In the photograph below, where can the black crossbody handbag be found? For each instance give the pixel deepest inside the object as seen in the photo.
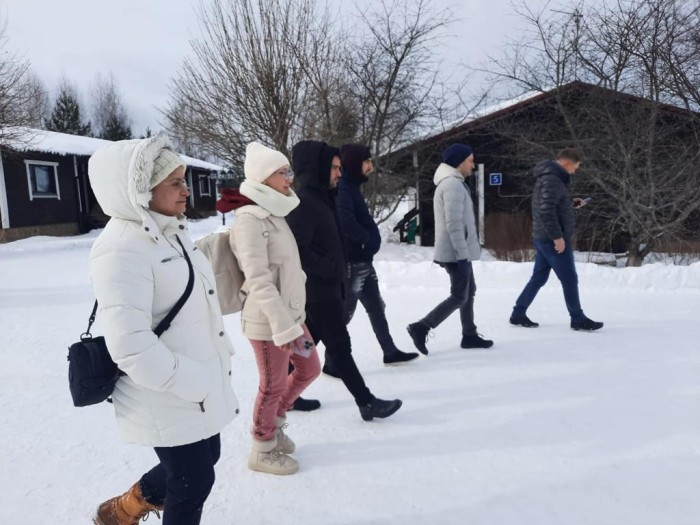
(91, 372)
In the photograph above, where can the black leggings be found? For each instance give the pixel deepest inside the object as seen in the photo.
(182, 480)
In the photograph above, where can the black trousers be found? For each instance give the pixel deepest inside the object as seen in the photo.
(326, 322)
(363, 285)
(182, 480)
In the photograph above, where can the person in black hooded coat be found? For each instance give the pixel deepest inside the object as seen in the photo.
(362, 242)
(314, 224)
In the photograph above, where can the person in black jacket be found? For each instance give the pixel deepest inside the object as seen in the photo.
(314, 224)
(362, 241)
(552, 230)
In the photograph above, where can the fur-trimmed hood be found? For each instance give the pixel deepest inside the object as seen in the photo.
(444, 171)
(120, 176)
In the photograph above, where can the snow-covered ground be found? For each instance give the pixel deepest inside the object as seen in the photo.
(550, 426)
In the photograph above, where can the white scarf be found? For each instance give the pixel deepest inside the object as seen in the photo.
(278, 204)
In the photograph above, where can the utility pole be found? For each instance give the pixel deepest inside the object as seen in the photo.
(480, 192)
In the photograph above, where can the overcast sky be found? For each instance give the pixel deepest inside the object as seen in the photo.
(143, 42)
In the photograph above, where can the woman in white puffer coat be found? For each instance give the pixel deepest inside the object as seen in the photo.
(176, 395)
(273, 312)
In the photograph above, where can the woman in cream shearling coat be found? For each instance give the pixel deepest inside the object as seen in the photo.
(274, 308)
(176, 395)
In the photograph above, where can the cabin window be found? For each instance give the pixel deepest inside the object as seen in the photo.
(42, 178)
(204, 185)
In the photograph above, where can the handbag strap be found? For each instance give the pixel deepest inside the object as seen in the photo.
(168, 319)
(165, 323)
(87, 335)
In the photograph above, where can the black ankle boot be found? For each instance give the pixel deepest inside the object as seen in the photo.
(586, 325)
(306, 405)
(379, 408)
(397, 357)
(419, 334)
(523, 320)
(475, 341)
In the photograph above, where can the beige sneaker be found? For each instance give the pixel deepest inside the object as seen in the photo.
(266, 457)
(284, 443)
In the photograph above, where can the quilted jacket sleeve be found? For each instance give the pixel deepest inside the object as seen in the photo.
(550, 193)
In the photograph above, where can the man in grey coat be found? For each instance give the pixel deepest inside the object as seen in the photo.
(456, 246)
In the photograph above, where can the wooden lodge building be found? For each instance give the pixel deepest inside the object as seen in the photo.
(511, 138)
(45, 190)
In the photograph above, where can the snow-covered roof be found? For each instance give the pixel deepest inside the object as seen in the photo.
(64, 144)
(476, 114)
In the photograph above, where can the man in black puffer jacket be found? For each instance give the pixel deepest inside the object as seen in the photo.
(362, 242)
(314, 224)
(553, 227)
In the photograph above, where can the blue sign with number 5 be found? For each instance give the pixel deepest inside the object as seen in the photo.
(495, 179)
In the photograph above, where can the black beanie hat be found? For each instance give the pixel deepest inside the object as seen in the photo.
(455, 154)
(352, 157)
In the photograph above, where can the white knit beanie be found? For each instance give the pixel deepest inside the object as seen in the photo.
(261, 162)
(164, 164)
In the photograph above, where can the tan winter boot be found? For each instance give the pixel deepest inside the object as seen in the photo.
(127, 509)
(266, 457)
(284, 443)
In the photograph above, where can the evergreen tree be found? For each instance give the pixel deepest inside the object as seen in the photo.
(65, 117)
(116, 129)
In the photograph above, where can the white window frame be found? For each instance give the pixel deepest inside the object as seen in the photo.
(201, 179)
(28, 164)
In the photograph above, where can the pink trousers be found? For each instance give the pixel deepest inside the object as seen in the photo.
(278, 389)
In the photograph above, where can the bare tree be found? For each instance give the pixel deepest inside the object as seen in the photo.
(394, 76)
(330, 110)
(110, 119)
(20, 95)
(279, 71)
(245, 81)
(40, 99)
(641, 146)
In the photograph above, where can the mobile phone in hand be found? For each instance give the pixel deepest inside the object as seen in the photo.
(580, 203)
(303, 347)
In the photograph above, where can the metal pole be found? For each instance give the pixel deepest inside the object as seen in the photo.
(417, 194)
(480, 191)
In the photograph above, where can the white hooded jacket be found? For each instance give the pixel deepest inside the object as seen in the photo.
(178, 388)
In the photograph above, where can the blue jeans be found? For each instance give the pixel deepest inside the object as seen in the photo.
(182, 480)
(547, 259)
(462, 291)
(363, 284)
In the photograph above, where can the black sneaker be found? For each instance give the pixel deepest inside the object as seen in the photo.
(475, 341)
(586, 325)
(397, 357)
(523, 320)
(379, 408)
(330, 371)
(306, 405)
(419, 333)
